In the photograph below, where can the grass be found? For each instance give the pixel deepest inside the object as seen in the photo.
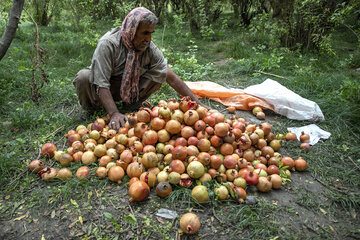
(328, 80)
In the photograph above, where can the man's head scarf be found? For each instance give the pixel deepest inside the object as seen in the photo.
(129, 91)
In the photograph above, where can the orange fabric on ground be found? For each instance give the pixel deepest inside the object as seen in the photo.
(228, 97)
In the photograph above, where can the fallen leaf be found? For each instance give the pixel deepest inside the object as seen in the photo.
(23, 216)
(72, 224)
(63, 207)
(97, 193)
(36, 220)
(19, 218)
(53, 214)
(275, 203)
(274, 238)
(323, 211)
(212, 219)
(81, 220)
(353, 214)
(7, 197)
(73, 202)
(89, 195)
(47, 213)
(42, 237)
(79, 234)
(35, 229)
(160, 220)
(331, 228)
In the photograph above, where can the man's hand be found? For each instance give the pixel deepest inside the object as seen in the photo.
(117, 120)
(180, 87)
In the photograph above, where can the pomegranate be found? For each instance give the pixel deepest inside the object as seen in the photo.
(36, 165)
(48, 149)
(115, 174)
(139, 191)
(173, 126)
(200, 194)
(190, 223)
(64, 174)
(163, 189)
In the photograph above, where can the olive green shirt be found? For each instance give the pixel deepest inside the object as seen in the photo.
(110, 57)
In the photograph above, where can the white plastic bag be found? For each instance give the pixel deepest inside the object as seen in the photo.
(285, 101)
(314, 132)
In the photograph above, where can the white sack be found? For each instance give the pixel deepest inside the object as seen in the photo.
(285, 101)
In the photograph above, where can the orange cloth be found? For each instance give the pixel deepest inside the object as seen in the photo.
(228, 97)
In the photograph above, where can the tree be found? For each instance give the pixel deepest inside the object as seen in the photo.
(11, 27)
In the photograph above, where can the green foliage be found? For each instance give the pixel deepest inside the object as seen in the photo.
(186, 64)
(201, 14)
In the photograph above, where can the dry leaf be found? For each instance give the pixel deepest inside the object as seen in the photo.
(275, 203)
(19, 218)
(53, 214)
(323, 211)
(160, 220)
(331, 228)
(42, 237)
(97, 193)
(72, 224)
(89, 195)
(81, 220)
(23, 216)
(7, 197)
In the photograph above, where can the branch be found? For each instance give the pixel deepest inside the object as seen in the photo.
(271, 74)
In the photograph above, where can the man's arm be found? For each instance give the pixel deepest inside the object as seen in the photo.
(117, 119)
(179, 86)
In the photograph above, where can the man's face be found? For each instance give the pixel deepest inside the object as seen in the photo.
(142, 37)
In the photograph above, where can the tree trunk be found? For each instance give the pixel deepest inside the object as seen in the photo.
(11, 27)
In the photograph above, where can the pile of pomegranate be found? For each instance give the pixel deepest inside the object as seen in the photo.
(176, 142)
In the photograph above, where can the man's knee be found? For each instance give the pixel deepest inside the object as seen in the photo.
(82, 77)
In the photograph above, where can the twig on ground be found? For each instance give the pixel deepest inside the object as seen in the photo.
(55, 132)
(137, 225)
(148, 236)
(271, 74)
(347, 192)
(17, 177)
(71, 112)
(357, 166)
(216, 215)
